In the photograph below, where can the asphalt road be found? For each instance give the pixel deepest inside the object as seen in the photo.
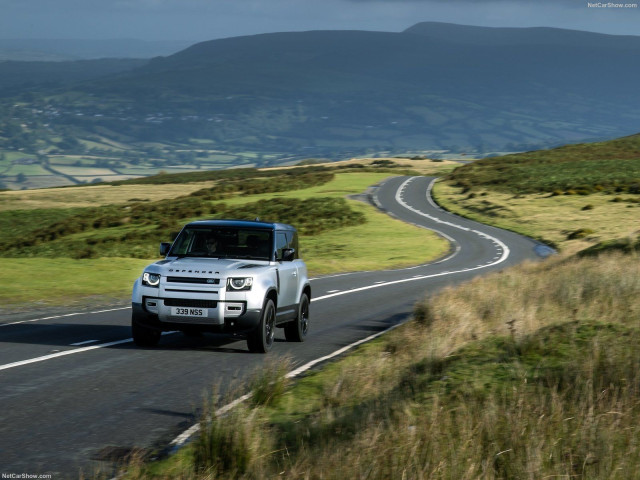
(76, 394)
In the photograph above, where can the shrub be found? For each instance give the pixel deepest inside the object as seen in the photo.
(626, 245)
(81, 253)
(580, 233)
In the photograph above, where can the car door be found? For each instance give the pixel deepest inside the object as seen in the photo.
(288, 276)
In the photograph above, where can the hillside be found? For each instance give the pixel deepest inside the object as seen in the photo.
(575, 197)
(396, 90)
(273, 98)
(611, 166)
(468, 34)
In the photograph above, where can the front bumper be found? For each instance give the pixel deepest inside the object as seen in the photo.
(216, 321)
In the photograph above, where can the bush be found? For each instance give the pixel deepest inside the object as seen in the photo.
(625, 245)
(81, 253)
(580, 233)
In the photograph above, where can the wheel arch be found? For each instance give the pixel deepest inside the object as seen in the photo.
(307, 289)
(273, 295)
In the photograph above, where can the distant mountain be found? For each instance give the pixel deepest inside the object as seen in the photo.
(434, 86)
(486, 36)
(19, 77)
(53, 50)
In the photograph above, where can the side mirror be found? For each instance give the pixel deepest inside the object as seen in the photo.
(288, 254)
(164, 248)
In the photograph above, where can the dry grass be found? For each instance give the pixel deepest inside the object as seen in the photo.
(424, 167)
(93, 196)
(551, 218)
(525, 374)
(526, 298)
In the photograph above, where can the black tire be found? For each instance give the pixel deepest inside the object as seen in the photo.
(192, 332)
(260, 340)
(144, 336)
(297, 330)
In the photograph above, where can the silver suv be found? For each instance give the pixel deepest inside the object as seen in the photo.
(228, 276)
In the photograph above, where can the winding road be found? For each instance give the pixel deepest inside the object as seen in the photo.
(77, 395)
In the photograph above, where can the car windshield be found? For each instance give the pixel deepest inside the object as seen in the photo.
(223, 242)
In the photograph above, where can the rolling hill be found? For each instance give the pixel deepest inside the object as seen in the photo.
(332, 93)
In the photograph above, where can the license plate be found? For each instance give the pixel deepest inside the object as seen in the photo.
(189, 312)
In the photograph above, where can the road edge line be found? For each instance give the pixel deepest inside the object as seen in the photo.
(182, 439)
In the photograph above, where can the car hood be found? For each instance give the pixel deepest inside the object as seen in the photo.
(204, 266)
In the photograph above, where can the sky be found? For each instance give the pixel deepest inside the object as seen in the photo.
(199, 20)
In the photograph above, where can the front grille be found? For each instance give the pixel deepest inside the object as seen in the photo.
(200, 280)
(187, 302)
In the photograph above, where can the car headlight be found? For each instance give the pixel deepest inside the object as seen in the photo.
(151, 279)
(237, 284)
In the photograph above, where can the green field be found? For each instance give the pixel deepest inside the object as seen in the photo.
(45, 282)
(95, 230)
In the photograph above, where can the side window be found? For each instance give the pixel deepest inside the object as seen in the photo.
(281, 243)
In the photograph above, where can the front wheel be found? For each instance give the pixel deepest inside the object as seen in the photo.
(144, 336)
(260, 340)
(296, 331)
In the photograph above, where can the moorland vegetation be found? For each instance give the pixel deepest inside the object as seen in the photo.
(572, 197)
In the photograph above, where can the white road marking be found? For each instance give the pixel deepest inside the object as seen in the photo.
(62, 316)
(62, 354)
(184, 437)
(333, 291)
(83, 343)
(68, 352)
(504, 256)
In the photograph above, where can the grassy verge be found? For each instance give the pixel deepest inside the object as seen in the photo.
(528, 373)
(34, 282)
(380, 243)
